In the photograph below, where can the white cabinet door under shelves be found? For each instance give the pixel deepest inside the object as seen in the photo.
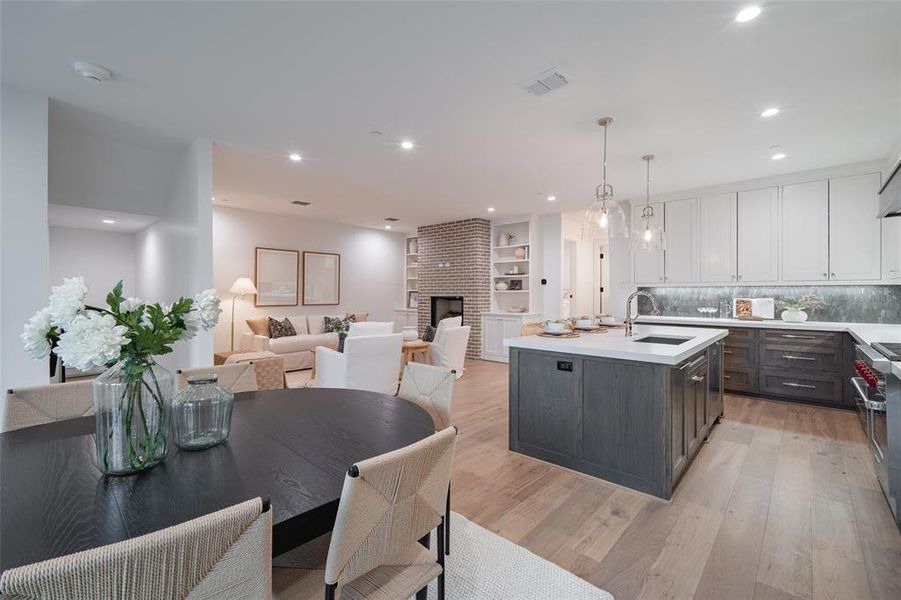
(647, 266)
(805, 231)
(758, 235)
(492, 337)
(718, 238)
(855, 243)
(511, 327)
(681, 255)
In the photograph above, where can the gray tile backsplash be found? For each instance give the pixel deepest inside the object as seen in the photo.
(844, 303)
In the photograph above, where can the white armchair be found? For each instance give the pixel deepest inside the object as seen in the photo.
(370, 328)
(449, 348)
(369, 362)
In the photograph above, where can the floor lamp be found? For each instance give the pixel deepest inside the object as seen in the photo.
(242, 287)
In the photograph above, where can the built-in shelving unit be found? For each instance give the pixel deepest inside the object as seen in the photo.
(511, 265)
(411, 272)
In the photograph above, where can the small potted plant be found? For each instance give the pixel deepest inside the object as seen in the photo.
(795, 310)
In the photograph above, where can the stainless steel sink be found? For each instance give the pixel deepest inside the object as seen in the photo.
(659, 339)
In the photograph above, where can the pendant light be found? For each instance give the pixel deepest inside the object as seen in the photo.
(648, 233)
(605, 217)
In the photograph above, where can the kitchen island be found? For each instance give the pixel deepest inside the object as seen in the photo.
(631, 410)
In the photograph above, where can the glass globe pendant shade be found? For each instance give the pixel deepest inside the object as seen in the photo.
(648, 235)
(604, 220)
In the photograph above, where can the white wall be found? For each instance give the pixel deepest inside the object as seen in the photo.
(551, 263)
(93, 170)
(101, 257)
(585, 259)
(174, 255)
(24, 262)
(372, 264)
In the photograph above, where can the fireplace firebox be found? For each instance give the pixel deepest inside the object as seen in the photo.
(444, 307)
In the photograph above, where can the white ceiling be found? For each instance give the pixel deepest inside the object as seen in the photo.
(78, 217)
(682, 80)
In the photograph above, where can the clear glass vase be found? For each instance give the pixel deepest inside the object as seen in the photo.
(131, 405)
(202, 413)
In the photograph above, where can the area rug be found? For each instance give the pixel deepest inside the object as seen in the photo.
(300, 379)
(484, 566)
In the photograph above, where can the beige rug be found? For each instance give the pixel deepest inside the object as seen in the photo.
(299, 379)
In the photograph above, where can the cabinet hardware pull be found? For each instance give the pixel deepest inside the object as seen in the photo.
(798, 337)
(727, 376)
(697, 378)
(800, 385)
(790, 357)
(727, 351)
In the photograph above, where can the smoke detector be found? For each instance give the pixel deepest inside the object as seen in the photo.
(92, 72)
(544, 82)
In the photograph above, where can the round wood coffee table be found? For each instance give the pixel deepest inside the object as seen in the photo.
(411, 349)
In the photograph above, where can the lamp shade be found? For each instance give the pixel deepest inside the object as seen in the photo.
(242, 286)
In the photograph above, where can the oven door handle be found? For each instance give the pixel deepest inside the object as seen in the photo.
(874, 405)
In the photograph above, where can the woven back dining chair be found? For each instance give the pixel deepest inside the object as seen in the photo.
(388, 504)
(223, 555)
(240, 377)
(270, 373)
(29, 406)
(531, 328)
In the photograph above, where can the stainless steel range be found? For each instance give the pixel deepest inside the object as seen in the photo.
(879, 404)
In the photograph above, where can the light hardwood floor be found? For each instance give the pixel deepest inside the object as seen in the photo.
(782, 502)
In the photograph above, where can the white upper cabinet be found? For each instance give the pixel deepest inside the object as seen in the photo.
(891, 248)
(682, 241)
(854, 231)
(718, 238)
(647, 265)
(805, 231)
(758, 235)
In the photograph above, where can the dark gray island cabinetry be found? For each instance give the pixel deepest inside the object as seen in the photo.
(638, 423)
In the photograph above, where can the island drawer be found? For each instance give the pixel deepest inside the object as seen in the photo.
(799, 337)
(801, 358)
(808, 386)
(739, 355)
(736, 379)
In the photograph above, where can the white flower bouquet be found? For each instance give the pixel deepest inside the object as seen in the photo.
(131, 398)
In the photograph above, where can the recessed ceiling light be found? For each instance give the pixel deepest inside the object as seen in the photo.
(109, 221)
(551, 198)
(747, 14)
(490, 209)
(406, 145)
(213, 198)
(770, 112)
(295, 157)
(91, 72)
(387, 226)
(777, 156)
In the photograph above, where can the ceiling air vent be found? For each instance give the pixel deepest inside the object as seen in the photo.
(301, 203)
(392, 219)
(543, 83)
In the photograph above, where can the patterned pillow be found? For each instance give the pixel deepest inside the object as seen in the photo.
(429, 334)
(337, 324)
(342, 335)
(279, 329)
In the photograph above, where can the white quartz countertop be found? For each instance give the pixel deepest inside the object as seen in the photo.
(614, 343)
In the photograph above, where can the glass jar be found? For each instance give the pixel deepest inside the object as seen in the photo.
(202, 413)
(131, 415)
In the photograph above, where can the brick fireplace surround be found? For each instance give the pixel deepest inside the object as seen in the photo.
(454, 260)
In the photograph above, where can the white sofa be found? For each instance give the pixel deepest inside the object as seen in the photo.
(369, 362)
(296, 350)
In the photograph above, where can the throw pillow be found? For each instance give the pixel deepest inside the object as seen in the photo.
(279, 329)
(429, 334)
(358, 317)
(341, 337)
(337, 324)
(259, 325)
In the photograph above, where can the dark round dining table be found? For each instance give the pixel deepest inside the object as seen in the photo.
(291, 446)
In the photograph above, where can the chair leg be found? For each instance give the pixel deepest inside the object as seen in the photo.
(426, 541)
(330, 591)
(441, 552)
(446, 524)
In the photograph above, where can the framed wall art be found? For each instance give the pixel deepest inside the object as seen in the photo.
(321, 278)
(275, 275)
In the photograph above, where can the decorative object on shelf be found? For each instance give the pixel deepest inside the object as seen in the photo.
(648, 233)
(514, 271)
(520, 253)
(507, 238)
(131, 399)
(516, 309)
(241, 287)
(605, 217)
(413, 246)
(275, 276)
(795, 311)
(516, 284)
(412, 299)
(409, 333)
(500, 286)
(321, 278)
(202, 413)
